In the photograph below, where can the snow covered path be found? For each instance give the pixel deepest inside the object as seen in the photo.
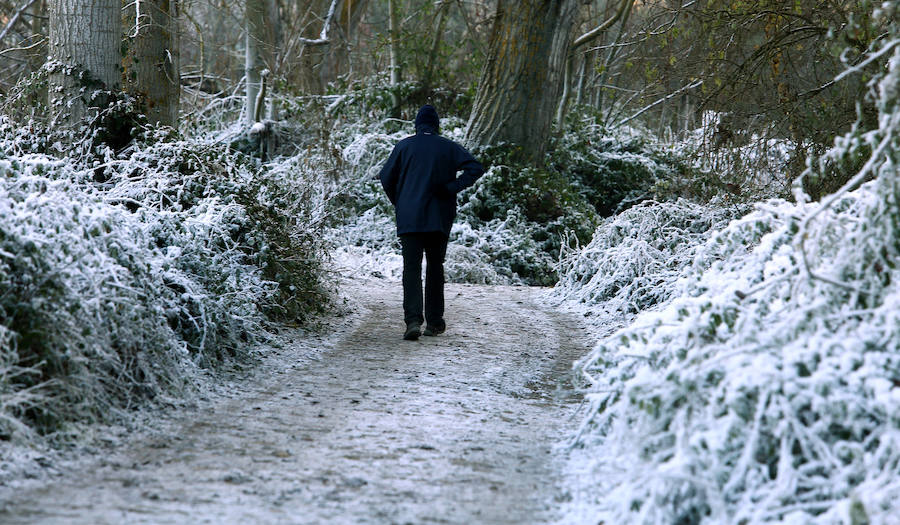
(354, 426)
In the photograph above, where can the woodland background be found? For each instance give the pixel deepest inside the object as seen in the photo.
(712, 184)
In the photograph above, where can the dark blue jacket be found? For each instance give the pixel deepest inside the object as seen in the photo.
(420, 177)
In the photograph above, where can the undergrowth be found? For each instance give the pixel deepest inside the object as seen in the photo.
(124, 270)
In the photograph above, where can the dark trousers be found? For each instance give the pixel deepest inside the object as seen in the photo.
(434, 246)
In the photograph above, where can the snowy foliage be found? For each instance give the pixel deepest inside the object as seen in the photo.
(636, 258)
(741, 167)
(121, 275)
(617, 168)
(765, 390)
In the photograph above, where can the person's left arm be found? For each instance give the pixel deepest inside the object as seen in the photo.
(471, 170)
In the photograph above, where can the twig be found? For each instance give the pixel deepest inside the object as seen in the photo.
(660, 101)
(15, 18)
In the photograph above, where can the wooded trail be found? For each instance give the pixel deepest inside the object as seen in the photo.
(353, 425)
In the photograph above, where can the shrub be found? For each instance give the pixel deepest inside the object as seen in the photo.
(765, 391)
(614, 169)
(124, 273)
(635, 258)
(540, 207)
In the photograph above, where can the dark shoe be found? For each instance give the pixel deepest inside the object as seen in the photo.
(413, 331)
(434, 330)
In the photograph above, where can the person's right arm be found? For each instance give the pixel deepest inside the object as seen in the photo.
(390, 174)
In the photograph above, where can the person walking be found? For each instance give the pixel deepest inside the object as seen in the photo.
(420, 179)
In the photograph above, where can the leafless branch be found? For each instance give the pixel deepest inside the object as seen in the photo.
(597, 31)
(323, 36)
(15, 18)
(660, 101)
(23, 48)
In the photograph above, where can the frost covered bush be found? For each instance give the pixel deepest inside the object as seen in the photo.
(499, 251)
(766, 390)
(522, 216)
(635, 258)
(120, 275)
(743, 168)
(614, 169)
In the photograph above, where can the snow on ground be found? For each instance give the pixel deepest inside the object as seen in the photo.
(350, 425)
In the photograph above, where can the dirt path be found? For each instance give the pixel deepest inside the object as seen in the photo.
(355, 426)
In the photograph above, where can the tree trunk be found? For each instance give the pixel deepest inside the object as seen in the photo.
(39, 55)
(582, 77)
(394, 32)
(85, 36)
(520, 83)
(215, 57)
(258, 53)
(428, 76)
(610, 56)
(152, 72)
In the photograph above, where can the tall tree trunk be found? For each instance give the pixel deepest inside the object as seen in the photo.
(611, 55)
(258, 53)
(152, 70)
(215, 60)
(582, 74)
(520, 83)
(394, 32)
(85, 36)
(39, 55)
(428, 76)
(273, 16)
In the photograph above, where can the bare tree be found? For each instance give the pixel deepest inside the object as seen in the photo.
(260, 46)
(394, 45)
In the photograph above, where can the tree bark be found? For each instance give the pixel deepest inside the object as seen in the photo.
(258, 53)
(394, 32)
(39, 55)
(85, 37)
(520, 83)
(152, 69)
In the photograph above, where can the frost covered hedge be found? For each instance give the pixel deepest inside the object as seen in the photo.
(617, 168)
(766, 389)
(120, 275)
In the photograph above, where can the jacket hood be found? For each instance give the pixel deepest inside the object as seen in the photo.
(427, 120)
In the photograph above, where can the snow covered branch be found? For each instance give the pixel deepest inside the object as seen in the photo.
(323, 36)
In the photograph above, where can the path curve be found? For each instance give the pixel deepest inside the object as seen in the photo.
(353, 426)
